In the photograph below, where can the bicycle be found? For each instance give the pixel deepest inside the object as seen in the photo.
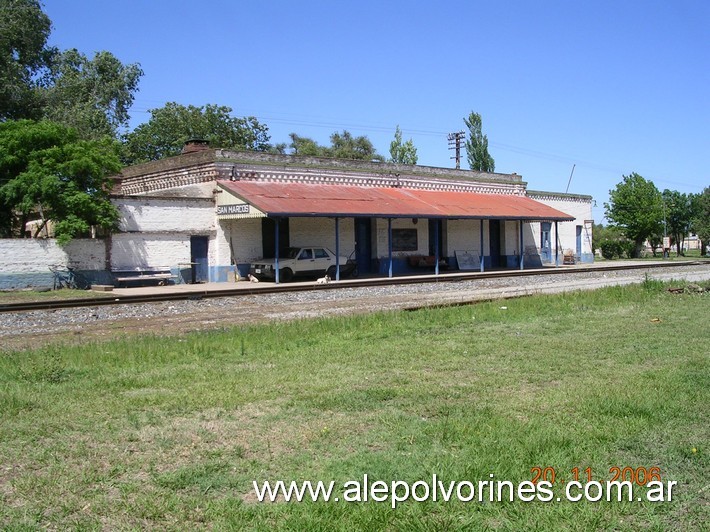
(67, 277)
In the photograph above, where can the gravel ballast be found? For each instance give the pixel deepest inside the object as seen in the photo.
(20, 330)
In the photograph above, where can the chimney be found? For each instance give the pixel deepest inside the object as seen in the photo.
(195, 144)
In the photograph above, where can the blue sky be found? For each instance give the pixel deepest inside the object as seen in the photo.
(612, 87)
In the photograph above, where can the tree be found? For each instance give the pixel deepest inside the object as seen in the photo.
(402, 153)
(39, 82)
(169, 127)
(91, 96)
(24, 30)
(306, 147)
(636, 206)
(700, 219)
(477, 145)
(46, 170)
(677, 216)
(345, 146)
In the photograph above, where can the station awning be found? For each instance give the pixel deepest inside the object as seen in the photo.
(301, 200)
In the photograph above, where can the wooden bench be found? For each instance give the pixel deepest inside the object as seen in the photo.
(160, 275)
(426, 261)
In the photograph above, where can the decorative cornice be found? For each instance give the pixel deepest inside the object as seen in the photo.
(372, 180)
(559, 196)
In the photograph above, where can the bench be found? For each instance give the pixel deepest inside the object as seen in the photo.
(160, 275)
(426, 261)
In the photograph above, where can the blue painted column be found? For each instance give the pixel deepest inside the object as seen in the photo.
(481, 244)
(337, 248)
(557, 247)
(276, 255)
(389, 243)
(436, 246)
(522, 252)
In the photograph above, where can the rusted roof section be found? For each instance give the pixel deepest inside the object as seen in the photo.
(300, 199)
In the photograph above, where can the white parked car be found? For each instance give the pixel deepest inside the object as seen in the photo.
(314, 261)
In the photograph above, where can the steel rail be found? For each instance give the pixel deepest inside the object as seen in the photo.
(284, 288)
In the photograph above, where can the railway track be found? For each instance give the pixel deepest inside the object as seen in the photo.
(301, 287)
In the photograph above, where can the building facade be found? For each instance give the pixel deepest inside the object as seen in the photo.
(221, 210)
(209, 213)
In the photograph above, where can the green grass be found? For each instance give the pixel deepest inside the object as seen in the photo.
(170, 432)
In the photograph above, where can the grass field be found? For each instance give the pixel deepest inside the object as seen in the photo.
(170, 432)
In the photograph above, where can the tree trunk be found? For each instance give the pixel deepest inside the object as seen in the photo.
(679, 245)
(638, 247)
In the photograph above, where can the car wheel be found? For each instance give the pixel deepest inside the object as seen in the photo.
(285, 275)
(332, 271)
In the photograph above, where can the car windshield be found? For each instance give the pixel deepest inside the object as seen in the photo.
(292, 253)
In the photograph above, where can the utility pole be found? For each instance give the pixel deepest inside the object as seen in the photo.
(455, 144)
(570, 178)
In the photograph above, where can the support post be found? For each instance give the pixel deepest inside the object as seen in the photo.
(557, 246)
(481, 244)
(436, 246)
(337, 248)
(522, 252)
(389, 244)
(276, 254)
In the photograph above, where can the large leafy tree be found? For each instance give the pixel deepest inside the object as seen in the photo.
(24, 55)
(636, 206)
(169, 127)
(48, 172)
(90, 95)
(477, 145)
(700, 219)
(38, 82)
(402, 152)
(677, 213)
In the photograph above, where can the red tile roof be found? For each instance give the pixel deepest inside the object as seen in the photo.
(301, 199)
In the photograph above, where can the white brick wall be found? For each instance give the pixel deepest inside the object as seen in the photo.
(133, 250)
(246, 239)
(580, 209)
(27, 255)
(321, 232)
(166, 215)
(465, 235)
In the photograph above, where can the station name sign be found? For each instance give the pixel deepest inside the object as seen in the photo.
(233, 209)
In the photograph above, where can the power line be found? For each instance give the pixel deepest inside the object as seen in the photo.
(308, 121)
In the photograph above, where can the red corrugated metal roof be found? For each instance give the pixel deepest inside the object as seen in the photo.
(301, 199)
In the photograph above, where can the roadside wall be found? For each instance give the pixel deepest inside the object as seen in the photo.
(25, 262)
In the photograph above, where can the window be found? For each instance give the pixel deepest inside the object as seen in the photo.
(305, 254)
(320, 253)
(404, 240)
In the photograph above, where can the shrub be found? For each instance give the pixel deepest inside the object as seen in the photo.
(609, 248)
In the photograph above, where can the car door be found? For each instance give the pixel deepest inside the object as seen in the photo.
(323, 260)
(305, 263)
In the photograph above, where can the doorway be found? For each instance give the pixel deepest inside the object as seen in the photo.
(545, 243)
(268, 237)
(363, 245)
(198, 257)
(494, 244)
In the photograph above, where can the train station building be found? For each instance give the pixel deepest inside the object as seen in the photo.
(217, 211)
